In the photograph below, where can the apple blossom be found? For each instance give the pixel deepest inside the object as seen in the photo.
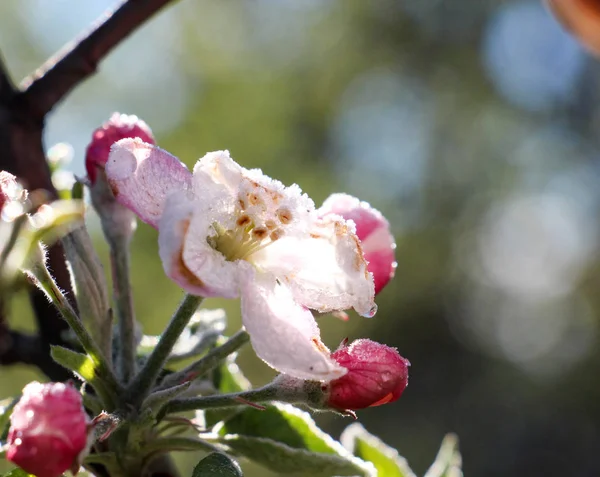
(49, 430)
(119, 126)
(8, 183)
(225, 231)
(376, 375)
(12, 196)
(372, 229)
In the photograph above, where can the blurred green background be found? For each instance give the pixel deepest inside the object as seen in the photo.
(471, 124)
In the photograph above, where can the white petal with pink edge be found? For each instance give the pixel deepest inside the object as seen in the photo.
(325, 270)
(284, 334)
(219, 275)
(142, 176)
(172, 232)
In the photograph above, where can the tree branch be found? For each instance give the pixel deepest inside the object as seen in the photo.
(16, 347)
(6, 86)
(80, 58)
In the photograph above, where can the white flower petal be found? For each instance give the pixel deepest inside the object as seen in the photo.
(284, 334)
(234, 189)
(172, 231)
(217, 168)
(142, 176)
(325, 270)
(219, 277)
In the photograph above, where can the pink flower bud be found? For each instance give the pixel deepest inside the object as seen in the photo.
(373, 231)
(49, 430)
(376, 375)
(119, 126)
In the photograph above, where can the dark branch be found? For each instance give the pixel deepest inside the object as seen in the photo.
(79, 59)
(6, 86)
(18, 347)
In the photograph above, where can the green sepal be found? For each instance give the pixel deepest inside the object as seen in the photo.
(217, 465)
(370, 448)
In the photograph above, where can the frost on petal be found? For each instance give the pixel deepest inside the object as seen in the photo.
(236, 190)
(284, 334)
(218, 276)
(217, 168)
(325, 269)
(142, 176)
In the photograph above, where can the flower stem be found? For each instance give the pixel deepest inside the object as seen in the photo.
(270, 392)
(46, 283)
(120, 260)
(208, 362)
(141, 385)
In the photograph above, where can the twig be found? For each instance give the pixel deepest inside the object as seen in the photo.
(16, 347)
(119, 256)
(208, 362)
(80, 58)
(141, 385)
(6, 86)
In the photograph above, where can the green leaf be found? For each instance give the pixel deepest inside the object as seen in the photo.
(84, 368)
(17, 473)
(6, 408)
(282, 423)
(217, 465)
(77, 191)
(295, 462)
(386, 460)
(448, 462)
(227, 378)
(81, 364)
(286, 439)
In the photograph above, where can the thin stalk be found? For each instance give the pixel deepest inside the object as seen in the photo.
(18, 225)
(120, 262)
(141, 385)
(270, 392)
(208, 362)
(47, 284)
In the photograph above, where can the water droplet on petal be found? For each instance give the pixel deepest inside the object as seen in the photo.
(371, 312)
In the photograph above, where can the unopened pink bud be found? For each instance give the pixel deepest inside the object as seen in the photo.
(373, 231)
(49, 429)
(376, 375)
(119, 126)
